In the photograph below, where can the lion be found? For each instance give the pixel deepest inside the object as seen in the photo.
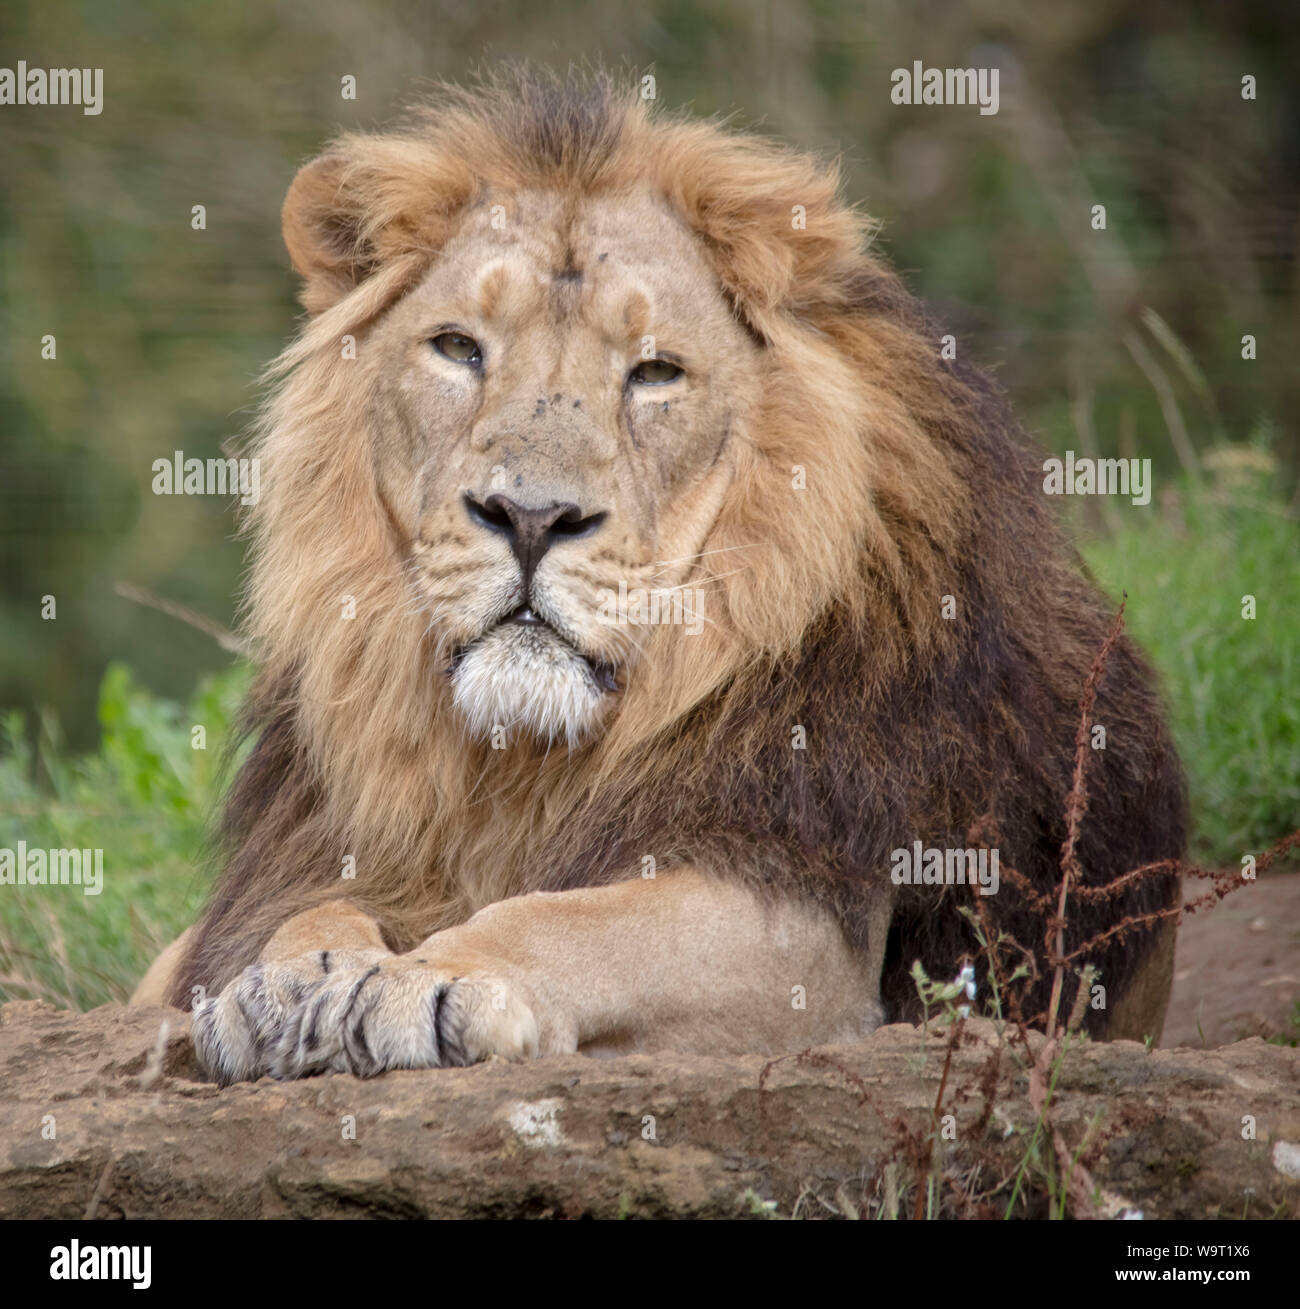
(631, 581)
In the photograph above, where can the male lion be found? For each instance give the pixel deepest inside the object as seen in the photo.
(566, 357)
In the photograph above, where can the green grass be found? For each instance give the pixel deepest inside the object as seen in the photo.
(1231, 683)
(144, 799)
(146, 795)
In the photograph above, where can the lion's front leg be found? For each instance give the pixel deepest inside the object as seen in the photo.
(405, 1011)
(369, 1013)
(348, 1004)
(237, 1033)
(681, 962)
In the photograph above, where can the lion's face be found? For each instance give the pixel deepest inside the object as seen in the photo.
(552, 407)
(622, 423)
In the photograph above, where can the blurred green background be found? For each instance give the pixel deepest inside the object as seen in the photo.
(1126, 341)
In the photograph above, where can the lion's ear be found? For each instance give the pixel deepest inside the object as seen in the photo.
(366, 201)
(324, 224)
(781, 240)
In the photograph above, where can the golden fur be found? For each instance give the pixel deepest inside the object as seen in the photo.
(843, 496)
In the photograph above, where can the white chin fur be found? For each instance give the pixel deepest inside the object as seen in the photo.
(525, 679)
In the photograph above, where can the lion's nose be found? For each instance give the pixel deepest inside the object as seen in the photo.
(530, 530)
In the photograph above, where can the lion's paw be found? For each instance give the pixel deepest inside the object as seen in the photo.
(235, 1032)
(379, 1013)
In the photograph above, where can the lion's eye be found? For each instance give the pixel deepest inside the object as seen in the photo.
(458, 347)
(655, 372)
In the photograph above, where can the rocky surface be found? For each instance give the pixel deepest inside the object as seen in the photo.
(105, 1115)
(1237, 972)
